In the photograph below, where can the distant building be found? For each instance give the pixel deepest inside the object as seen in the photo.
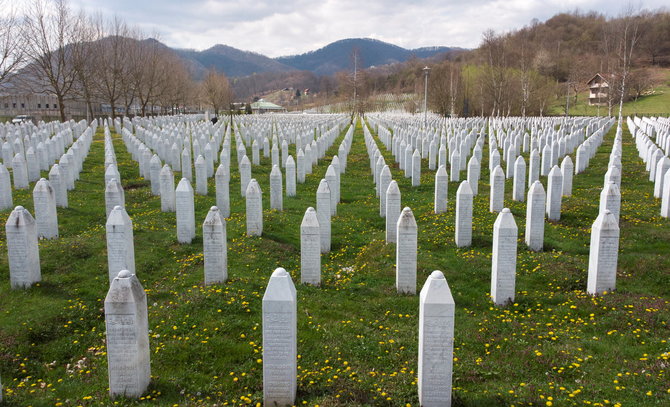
(599, 89)
(263, 106)
(42, 106)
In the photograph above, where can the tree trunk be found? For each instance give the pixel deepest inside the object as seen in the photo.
(61, 106)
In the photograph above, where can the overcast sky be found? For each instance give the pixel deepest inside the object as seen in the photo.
(285, 27)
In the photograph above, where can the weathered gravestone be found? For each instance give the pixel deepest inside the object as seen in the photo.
(22, 249)
(384, 181)
(276, 196)
(222, 180)
(310, 249)
(120, 244)
(280, 348)
(167, 190)
(503, 263)
(114, 196)
(58, 184)
(441, 190)
(603, 255)
(6, 201)
(324, 213)
(127, 324)
(215, 247)
(519, 183)
(254, 199)
(392, 211)
(406, 252)
(245, 174)
(416, 169)
(464, 196)
(19, 172)
(436, 342)
(554, 194)
(535, 209)
(200, 176)
(185, 212)
(46, 216)
(290, 176)
(497, 198)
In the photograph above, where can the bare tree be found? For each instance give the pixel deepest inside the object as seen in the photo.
(50, 34)
(628, 35)
(109, 56)
(83, 58)
(216, 90)
(496, 76)
(11, 46)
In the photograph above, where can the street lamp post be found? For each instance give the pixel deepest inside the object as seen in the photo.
(426, 71)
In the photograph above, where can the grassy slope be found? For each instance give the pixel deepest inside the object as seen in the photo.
(654, 104)
(357, 337)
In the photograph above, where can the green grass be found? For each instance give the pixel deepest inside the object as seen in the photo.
(357, 337)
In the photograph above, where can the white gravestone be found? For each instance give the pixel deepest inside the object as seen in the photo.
(604, 253)
(406, 252)
(384, 181)
(127, 334)
(554, 193)
(392, 211)
(290, 176)
(155, 166)
(455, 166)
(22, 250)
(58, 184)
(310, 249)
(276, 197)
(323, 212)
(46, 216)
(222, 180)
(19, 172)
(535, 209)
(245, 174)
(519, 183)
(120, 244)
(436, 342)
(610, 199)
(114, 196)
(441, 190)
(6, 201)
(497, 198)
(665, 199)
(503, 267)
(168, 199)
(215, 247)
(186, 170)
(416, 169)
(534, 170)
(300, 167)
(474, 169)
(280, 347)
(331, 178)
(200, 176)
(464, 196)
(185, 211)
(254, 199)
(567, 171)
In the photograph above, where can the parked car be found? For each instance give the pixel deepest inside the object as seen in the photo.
(23, 118)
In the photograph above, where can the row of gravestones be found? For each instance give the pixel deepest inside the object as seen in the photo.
(128, 352)
(605, 232)
(654, 154)
(25, 166)
(22, 230)
(181, 198)
(125, 305)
